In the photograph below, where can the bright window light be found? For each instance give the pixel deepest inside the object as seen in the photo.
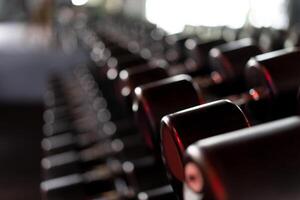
(168, 14)
(232, 13)
(269, 13)
(173, 15)
(79, 2)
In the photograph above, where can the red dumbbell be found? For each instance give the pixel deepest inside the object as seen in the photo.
(157, 99)
(261, 162)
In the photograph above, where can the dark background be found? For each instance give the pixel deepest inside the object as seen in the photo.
(23, 79)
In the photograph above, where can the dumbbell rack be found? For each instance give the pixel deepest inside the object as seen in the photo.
(92, 147)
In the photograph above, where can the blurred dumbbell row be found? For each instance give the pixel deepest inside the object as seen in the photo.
(201, 119)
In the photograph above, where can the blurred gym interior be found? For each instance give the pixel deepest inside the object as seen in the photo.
(39, 38)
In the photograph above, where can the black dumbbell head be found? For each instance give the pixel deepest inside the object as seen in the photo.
(261, 162)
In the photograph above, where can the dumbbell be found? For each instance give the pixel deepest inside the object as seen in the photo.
(176, 47)
(180, 129)
(179, 42)
(159, 69)
(172, 129)
(80, 141)
(101, 178)
(65, 162)
(61, 156)
(53, 95)
(68, 142)
(56, 114)
(229, 54)
(121, 191)
(117, 112)
(220, 81)
(115, 72)
(143, 34)
(67, 169)
(229, 50)
(97, 106)
(255, 163)
(155, 194)
(197, 62)
(74, 158)
(156, 99)
(61, 143)
(58, 118)
(157, 108)
(266, 68)
(78, 97)
(165, 92)
(98, 101)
